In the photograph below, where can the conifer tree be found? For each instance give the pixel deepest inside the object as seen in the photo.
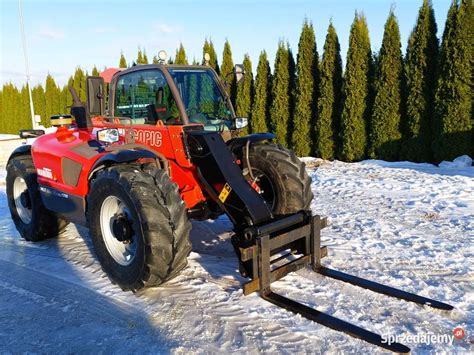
(139, 57)
(52, 99)
(292, 73)
(205, 49)
(453, 101)
(66, 95)
(261, 104)
(11, 104)
(23, 120)
(467, 24)
(385, 134)
(64, 100)
(209, 48)
(214, 61)
(19, 117)
(305, 100)
(227, 71)
(79, 83)
(6, 108)
(357, 90)
(330, 99)
(95, 71)
(180, 55)
(3, 109)
(123, 62)
(18, 100)
(420, 67)
(155, 60)
(10, 108)
(245, 93)
(145, 58)
(282, 94)
(2, 128)
(39, 102)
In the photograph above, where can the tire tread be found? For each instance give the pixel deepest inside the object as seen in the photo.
(163, 218)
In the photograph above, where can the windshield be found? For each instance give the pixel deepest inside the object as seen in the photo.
(202, 98)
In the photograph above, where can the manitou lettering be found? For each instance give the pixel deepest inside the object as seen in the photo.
(151, 138)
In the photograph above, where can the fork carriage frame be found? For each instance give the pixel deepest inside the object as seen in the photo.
(309, 235)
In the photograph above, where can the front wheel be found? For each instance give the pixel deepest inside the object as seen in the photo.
(139, 225)
(281, 178)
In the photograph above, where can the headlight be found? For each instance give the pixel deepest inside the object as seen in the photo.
(241, 122)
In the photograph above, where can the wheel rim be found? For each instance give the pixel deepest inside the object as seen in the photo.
(267, 189)
(123, 252)
(21, 198)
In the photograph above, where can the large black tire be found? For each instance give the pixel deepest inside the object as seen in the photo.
(32, 220)
(159, 225)
(284, 173)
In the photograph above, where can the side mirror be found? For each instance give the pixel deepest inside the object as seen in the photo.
(31, 133)
(239, 72)
(241, 122)
(95, 95)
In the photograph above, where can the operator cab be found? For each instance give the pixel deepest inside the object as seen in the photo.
(170, 95)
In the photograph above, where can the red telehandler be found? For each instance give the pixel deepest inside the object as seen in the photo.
(164, 151)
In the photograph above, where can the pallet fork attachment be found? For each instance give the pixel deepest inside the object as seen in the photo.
(305, 237)
(269, 247)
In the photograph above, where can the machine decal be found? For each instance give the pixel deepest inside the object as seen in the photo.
(225, 192)
(45, 172)
(148, 137)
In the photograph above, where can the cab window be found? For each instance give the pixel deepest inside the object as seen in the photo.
(145, 97)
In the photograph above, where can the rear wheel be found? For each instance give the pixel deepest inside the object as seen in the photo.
(281, 178)
(32, 220)
(139, 225)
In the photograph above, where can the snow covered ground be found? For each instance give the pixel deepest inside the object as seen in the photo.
(404, 224)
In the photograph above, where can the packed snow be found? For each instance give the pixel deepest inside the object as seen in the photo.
(5, 137)
(403, 224)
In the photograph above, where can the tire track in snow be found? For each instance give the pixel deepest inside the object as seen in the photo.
(215, 301)
(61, 316)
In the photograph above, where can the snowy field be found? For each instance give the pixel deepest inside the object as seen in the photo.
(403, 224)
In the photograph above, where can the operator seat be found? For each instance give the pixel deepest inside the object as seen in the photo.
(158, 110)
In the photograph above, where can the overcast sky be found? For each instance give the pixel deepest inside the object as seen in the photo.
(64, 34)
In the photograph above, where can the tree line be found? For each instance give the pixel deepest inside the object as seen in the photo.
(383, 105)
